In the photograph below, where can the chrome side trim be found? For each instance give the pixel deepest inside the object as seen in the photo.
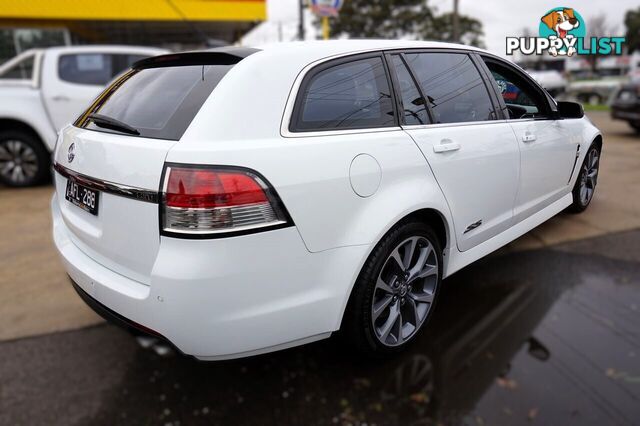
(132, 192)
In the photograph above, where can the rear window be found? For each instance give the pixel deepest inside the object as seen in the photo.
(159, 103)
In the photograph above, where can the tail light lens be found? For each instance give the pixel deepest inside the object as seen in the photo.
(209, 201)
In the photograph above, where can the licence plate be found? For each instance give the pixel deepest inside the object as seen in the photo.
(83, 197)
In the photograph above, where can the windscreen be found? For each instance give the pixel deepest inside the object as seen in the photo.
(157, 103)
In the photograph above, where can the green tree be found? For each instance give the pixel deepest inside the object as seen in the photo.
(632, 22)
(381, 18)
(412, 19)
(441, 28)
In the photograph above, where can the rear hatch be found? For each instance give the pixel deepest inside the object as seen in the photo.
(109, 163)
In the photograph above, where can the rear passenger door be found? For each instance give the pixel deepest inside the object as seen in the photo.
(451, 114)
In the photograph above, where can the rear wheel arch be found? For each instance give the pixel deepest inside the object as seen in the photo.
(598, 142)
(433, 218)
(7, 124)
(430, 216)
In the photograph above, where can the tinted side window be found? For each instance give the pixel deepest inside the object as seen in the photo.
(414, 110)
(453, 87)
(521, 97)
(23, 70)
(85, 68)
(95, 69)
(351, 95)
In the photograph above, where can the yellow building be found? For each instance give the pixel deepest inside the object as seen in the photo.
(172, 23)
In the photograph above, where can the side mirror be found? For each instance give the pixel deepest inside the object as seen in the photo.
(570, 110)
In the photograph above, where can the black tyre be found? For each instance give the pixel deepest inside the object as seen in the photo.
(635, 125)
(396, 290)
(586, 182)
(24, 161)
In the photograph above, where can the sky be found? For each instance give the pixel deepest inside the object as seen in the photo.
(500, 18)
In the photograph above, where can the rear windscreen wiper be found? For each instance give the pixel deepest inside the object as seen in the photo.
(113, 124)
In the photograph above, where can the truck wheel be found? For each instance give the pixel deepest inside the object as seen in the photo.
(24, 161)
(635, 125)
(594, 99)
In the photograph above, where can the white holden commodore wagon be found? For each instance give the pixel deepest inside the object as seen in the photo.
(240, 201)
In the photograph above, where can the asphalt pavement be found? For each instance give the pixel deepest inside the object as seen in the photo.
(547, 336)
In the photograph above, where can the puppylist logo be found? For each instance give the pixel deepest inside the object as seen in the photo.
(563, 32)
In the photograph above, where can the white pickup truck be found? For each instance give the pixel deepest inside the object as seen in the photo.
(42, 90)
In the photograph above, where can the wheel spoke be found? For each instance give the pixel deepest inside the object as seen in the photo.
(413, 311)
(29, 156)
(381, 306)
(420, 264)
(4, 154)
(30, 169)
(399, 324)
(428, 271)
(422, 297)
(383, 286)
(408, 252)
(395, 255)
(394, 314)
(14, 148)
(7, 168)
(17, 174)
(583, 193)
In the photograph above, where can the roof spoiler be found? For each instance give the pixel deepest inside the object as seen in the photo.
(218, 56)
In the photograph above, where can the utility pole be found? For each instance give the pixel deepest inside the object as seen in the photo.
(456, 23)
(301, 35)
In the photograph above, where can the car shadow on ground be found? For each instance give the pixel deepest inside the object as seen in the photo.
(487, 314)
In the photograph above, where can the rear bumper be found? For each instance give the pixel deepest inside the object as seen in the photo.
(224, 298)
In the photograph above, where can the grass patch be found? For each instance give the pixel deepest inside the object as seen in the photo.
(589, 107)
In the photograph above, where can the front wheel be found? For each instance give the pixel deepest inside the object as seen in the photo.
(585, 185)
(396, 290)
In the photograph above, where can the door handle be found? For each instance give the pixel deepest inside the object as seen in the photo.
(528, 137)
(446, 145)
(60, 98)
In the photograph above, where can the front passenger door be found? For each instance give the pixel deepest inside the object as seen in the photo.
(548, 149)
(449, 113)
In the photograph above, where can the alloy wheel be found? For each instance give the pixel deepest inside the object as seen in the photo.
(404, 291)
(18, 161)
(589, 177)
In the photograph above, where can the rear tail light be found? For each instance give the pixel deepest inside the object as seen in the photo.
(210, 201)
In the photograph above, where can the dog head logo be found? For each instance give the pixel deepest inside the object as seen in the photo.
(562, 23)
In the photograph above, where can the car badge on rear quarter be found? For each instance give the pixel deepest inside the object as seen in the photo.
(71, 154)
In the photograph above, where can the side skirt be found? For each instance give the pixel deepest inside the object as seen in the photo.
(458, 259)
